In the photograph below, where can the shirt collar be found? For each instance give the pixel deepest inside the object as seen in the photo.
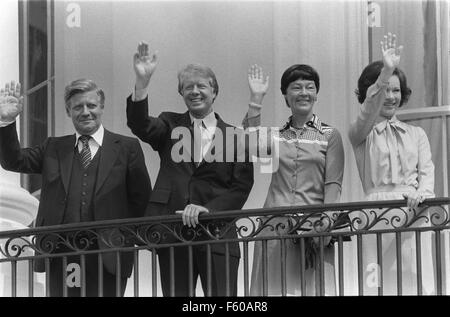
(313, 123)
(210, 121)
(394, 122)
(97, 136)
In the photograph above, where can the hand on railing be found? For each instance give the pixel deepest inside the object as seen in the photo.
(414, 199)
(190, 214)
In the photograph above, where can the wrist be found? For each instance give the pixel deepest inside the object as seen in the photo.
(254, 105)
(141, 83)
(254, 110)
(257, 98)
(385, 74)
(139, 93)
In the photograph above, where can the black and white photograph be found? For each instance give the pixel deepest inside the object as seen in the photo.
(237, 150)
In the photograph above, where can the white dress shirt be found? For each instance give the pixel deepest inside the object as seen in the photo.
(205, 128)
(95, 142)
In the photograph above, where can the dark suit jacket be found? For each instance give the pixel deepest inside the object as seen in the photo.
(215, 185)
(122, 188)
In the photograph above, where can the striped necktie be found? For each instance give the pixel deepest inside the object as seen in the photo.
(85, 151)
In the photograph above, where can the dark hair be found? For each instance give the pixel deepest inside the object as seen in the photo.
(370, 75)
(299, 71)
(81, 86)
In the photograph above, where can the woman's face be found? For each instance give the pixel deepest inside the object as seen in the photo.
(393, 98)
(301, 96)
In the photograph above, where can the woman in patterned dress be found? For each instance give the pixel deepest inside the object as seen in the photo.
(309, 171)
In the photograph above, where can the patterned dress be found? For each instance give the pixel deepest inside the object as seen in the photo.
(308, 159)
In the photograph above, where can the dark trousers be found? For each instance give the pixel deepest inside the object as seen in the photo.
(199, 265)
(58, 282)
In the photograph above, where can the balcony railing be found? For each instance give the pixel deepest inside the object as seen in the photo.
(349, 223)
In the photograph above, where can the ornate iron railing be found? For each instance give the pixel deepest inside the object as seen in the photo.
(342, 222)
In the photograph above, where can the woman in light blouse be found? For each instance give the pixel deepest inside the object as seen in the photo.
(394, 162)
(309, 171)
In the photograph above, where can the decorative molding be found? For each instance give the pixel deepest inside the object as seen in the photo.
(423, 113)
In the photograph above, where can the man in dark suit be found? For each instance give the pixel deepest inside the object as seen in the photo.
(91, 175)
(191, 184)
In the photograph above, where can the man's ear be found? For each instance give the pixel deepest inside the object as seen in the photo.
(68, 111)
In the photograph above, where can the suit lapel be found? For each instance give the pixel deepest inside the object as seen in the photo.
(65, 155)
(109, 152)
(185, 121)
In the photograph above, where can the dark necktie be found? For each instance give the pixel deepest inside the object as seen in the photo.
(85, 151)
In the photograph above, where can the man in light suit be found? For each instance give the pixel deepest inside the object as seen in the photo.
(191, 187)
(91, 175)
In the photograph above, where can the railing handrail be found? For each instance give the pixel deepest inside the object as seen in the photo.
(131, 248)
(305, 209)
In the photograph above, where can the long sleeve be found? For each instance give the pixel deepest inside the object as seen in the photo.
(425, 166)
(260, 139)
(138, 181)
(334, 168)
(151, 130)
(368, 113)
(251, 121)
(15, 159)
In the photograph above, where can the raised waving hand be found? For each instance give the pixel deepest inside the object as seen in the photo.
(391, 53)
(144, 65)
(10, 102)
(257, 83)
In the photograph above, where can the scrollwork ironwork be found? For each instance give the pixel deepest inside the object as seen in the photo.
(237, 226)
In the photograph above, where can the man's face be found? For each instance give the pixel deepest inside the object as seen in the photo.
(198, 95)
(86, 112)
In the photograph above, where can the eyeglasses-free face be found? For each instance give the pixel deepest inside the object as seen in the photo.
(198, 95)
(393, 98)
(85, 110)
(301, 96)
